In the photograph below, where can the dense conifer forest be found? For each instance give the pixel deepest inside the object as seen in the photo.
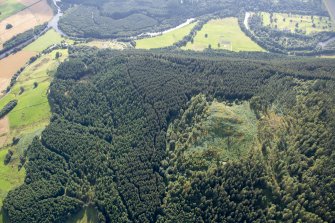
(117, 19)
(126, 137)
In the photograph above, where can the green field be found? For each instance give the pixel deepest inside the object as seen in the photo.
(29, 117)
(49, 38)
(165, 40)
(222, 34)
(297, 23)
(9, 7)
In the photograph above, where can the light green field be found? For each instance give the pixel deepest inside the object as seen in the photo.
(222, 34)
(29, 117)
(105, 44)
(9, 175)
(49, 38)
(165, 40)
(9, 7)
(284, 21)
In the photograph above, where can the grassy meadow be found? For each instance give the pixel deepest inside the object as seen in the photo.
(29, 117)
(49, 38)
(165, 40)
(222, 34)
(302, 23)
(9, 7)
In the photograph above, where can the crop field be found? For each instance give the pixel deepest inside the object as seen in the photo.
(26, 19)
(9, 7)
(165, 40)
(222, 34)
(28, 118)
(10, 65)
(297, 23)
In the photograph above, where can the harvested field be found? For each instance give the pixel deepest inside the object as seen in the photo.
(37, 14)
(10, 65)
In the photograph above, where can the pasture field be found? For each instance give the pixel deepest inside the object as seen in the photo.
(9, 7)
(297, 23)
(28, 118)
(222, 34)
(36, 14)
(9, 175)
(166, 39)
(49, 38)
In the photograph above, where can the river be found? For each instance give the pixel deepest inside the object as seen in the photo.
(189, 21)
(54, 22)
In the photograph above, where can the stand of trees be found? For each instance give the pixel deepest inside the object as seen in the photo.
(8, 107)
(107, 139)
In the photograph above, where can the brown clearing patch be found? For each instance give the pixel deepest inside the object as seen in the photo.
(25, 20)
(11, 64)
(4, 130)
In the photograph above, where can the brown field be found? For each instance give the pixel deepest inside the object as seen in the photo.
(4, 130)
(10, 65)
(26, 19)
